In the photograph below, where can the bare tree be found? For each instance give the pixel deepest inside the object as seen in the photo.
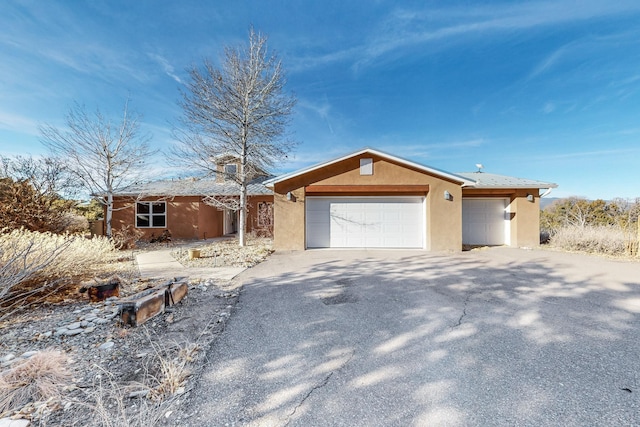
(102, 155)
(47, 175)
(239, 110)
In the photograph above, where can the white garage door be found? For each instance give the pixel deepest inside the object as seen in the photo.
(365, 222)
(484, 222)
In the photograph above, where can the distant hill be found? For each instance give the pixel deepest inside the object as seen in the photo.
(546, 201)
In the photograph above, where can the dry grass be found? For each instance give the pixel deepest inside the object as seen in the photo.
(606, 240)
(34, 265)
(47, 256)
(39, 378)
(172, 367)
(110, 405)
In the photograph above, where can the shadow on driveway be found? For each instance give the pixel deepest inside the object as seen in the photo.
(379, 338)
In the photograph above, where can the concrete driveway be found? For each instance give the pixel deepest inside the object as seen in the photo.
(402, 338)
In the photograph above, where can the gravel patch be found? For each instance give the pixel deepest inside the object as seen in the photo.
(226, 253)
(116, 372)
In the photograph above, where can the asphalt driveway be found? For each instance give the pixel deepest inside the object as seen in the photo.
(407, 338)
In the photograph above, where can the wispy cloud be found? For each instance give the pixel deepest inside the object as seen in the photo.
(576, 155)
(16, 123)
(549, 108)
(406, 29)
(166, 66)
(321, 108)
(547, 63)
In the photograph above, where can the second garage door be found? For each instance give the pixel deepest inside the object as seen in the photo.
(484, 222)
(365, 222)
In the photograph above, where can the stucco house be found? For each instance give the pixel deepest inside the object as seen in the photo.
(371, 199)
(365, 199)
(182, 207)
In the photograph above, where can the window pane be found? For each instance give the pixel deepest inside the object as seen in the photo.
(142, 207)
(366, 166)
(159, 208)
(142, 220)
(159, 221)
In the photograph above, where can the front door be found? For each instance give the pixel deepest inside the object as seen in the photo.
(230, 221)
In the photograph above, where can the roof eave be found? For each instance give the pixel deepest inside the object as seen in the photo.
(453, 177)
(519, 187)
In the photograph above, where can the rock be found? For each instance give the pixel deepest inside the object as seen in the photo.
(8, 422)
(84, 324)
(138, 393)
(47, 334)
(74, 325)
(89, 329)
(101, 321)
(28, 354)
(106, 346)
(72, 332)
(7, 358)
(61, 331)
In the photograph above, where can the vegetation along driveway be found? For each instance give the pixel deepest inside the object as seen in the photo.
(398, 338)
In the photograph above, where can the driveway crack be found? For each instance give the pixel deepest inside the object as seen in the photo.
(323, 383)
(464, 311)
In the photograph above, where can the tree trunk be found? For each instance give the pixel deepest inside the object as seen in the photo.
(243, 191)
(243, 215)
(109, 213)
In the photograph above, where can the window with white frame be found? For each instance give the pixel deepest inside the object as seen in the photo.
(230, 171)
(151, 214)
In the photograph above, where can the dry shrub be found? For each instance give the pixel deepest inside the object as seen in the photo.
(74, 255)
(608, 240)
(70, 222)
(33, 263)
(126, 237)
(39, 378)
(171, 365)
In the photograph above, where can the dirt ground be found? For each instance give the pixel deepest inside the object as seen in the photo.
(120, 375)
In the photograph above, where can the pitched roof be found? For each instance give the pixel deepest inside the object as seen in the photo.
(492, 180)
(428, 169)
(194, 187)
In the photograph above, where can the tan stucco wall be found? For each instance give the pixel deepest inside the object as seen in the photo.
(525, 219)
(252, 211)
(444, 218)
(288, 221)
(187, 217)
(182, 217)
(210, 221)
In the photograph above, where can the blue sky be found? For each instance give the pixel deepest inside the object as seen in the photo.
(548, 90)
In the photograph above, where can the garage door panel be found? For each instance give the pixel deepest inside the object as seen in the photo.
(365, 222)
(484, 222)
